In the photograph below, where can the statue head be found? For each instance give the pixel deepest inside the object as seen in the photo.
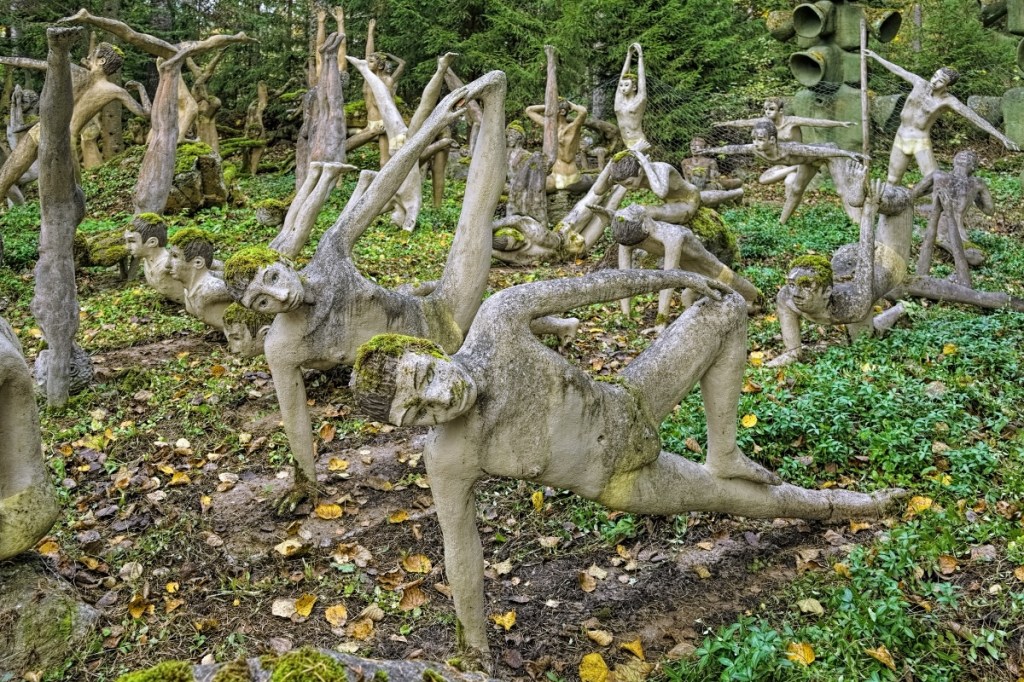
(628, 83)
(190, 248)
(764, 135)
(146, 235)
(966, 161)
(810, 283)
(263, 281)
(697, 145)
(944, 78)
(629, 226)
(563, 107)
(105, 57)
(410, 382)
(378, 62)
(624, 167)
(773, 108)
(245, 330)
(515, 135)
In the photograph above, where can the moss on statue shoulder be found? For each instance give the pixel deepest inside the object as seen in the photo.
(168, 671)
(305, 664)
(395, 345)
(819, 265)
(716, 235)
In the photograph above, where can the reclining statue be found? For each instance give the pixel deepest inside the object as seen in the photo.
(28, 504)
(326, 311)
(507, 405)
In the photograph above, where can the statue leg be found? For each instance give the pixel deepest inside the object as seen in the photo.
(924, 257)
(18, 163)
(898, 162)
(796, 183)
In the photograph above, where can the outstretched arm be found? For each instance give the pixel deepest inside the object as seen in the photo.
(729, 150)
(24, 63)
(143, 41)
(738, 123)
(628, 63)
(641, 83)
(536, 113)
(975, 118)
(431, 93)
(817, 122)
(911, 78)
(923, 187)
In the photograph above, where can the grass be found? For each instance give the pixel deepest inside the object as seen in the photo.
(935, 407)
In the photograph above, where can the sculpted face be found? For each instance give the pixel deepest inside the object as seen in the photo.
(133, 242)
(429, 390)
(697, 145)
(177, 265)
(513, 138)
(939, 81)
(275, 288)
(772, 110)
(241, 342)
(762, 141)
(627, 86)
(808, 295)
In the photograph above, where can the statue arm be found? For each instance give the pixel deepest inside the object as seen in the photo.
(983, 199)
(816, 122)
(924, 186)
(975, 118)
(371, 29)
(143, 41)
(628, 63)
(399, 70)
(141, 108)
(658, 182)
(817, 151)
(291, 399)
(536, 113)
(24, 63)
(581, 116)
(862, 295)
(729, 150)
(641, 81)
(911, 78)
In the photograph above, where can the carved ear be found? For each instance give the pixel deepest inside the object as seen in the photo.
(152, 242)
(261, 335)
(198, 263)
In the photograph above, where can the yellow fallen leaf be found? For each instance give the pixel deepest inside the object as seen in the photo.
(1018, 573)
(337, 464)
(172, 604)
(205, 502)
(304, 605)
(632, 670)
(180, 478)
(538, 500)
(549, 541)
(328, 511)
(947, 564)
(327, 432)
(882, 655)
(412, 597)
(634, 647)
(749, 421)
(843, 570)
(218, 370)
(289, 547)
(858, 526)
(90, 562)
(756, 358)
(417, 563)
(587, 582)
(800, 652)
(48, 547)
(171, 587)
(361, 629)
(505, 620)
(917, 505)
(949, 349)
(593, 668)
(137, 606)
(166, 469)
(600, 637)
(399, 516)
(702, 571)
(336, 615)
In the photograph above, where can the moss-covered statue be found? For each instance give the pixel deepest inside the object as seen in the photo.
(326, 311)
(846, 290)
(953, 193)
(794, 163)
(507, 405)
(146, 239)
(927, 100)
(631, 98)
(245, 330)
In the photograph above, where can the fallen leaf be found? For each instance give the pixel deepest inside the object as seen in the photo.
(412, 597)
(352, 553)
(336, 615)
(597, 572)
(327, 432)
(283, 607)
(882, 655)
(218, 370)
(756, 358)
(600, 637)
(800, 652)
(949, 349)
(505, 620)
(304, 605)
(290, 547)
(336, 464)
(503, 567)
(702, 571)
(706, 545)
(1018, 573)
(171, 587)
(391, 580)
(130, 571)
(693, 446)
(373, 612)
(634, 647)
(328, 511)
(858, 526)
(398, 516)
(361, 629)
(137, 606)
(586, 581)
(180, 478)
(48, 547)
(917, 505)
(749, 421)
(417, 563)
(632, 670)
(947, 564)
(172, 604)
(538, 500)
(811, 606)
(593, 668)
(205, 502)
(549, 541)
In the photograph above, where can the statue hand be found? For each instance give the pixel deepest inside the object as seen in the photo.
(875, 189)
(705, 286)
(869, 52)
(641, 146)
(637, 47)
(847, 124)
(76, 17)
(1012, 146)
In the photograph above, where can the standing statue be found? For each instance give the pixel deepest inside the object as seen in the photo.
(925, 103)
(846, 290)
(564, 173)
(507, 405)
(24, 106)
(89, 145)
(527, 177)
(329, 308)
(28, 504)
(146, 240)
(794, 163)
(61, 208)
(702, 171)
(631, 99)
(156, 174)
(788, 128)
(91, 91)
(952, 194)
(377, 62)
(326, 155)
(255, 131)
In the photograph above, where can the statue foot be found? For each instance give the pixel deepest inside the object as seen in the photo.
(737, 465)
(63, 37)
(332, 43)
(300, 491)
(77, 16)
(787, 358)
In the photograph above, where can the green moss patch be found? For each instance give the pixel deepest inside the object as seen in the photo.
(168, 671)
(817, 264)
(243, 265)
(306, 664)
(182, 238)
(185, 158)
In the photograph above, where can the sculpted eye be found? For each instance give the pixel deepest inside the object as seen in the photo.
(262, 303)
(274, 277)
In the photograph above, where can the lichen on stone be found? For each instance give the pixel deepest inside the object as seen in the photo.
(819, 265)
(168, 671)
(307, 664)
(241, 267)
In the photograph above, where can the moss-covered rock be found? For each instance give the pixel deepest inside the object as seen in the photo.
(235, 671)
(306, 664)
(187, 154)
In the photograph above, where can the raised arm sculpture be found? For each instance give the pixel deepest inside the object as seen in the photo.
(631, 98)
(326, 311)
(156, 173)
(377, 62)
(207, 104)
(507, 405)
(927, 100)
(564, 173)
(788, 128)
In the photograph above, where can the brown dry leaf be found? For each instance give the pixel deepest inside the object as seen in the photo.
(587, 582)
(505, 620)
(412, 597)
(503, 567)
(693, 446)
(537, 498)
(392, 579)
(843, 570)
(172, 604)
(180, 478)
(917, 505)
(361, 629)
(398, 517)
(947, 564)
(549, 541)
(352, 553)
(218, 370)
(327, 432)
(751, 387)
(706, 545)
(600, 637)
(48, 547)
(337, 464)
(623, 552)
(635, 648)
(1018, 573)
(800, 652)
(632, 670)
(289, 548)
(417, 563)
(328, 511)
(336, 615)
(373, 612)
(597, 572)
(882, 655)
(702, 571)
(593, 668)
(858, 526)
(137, 606)
(304, 605)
